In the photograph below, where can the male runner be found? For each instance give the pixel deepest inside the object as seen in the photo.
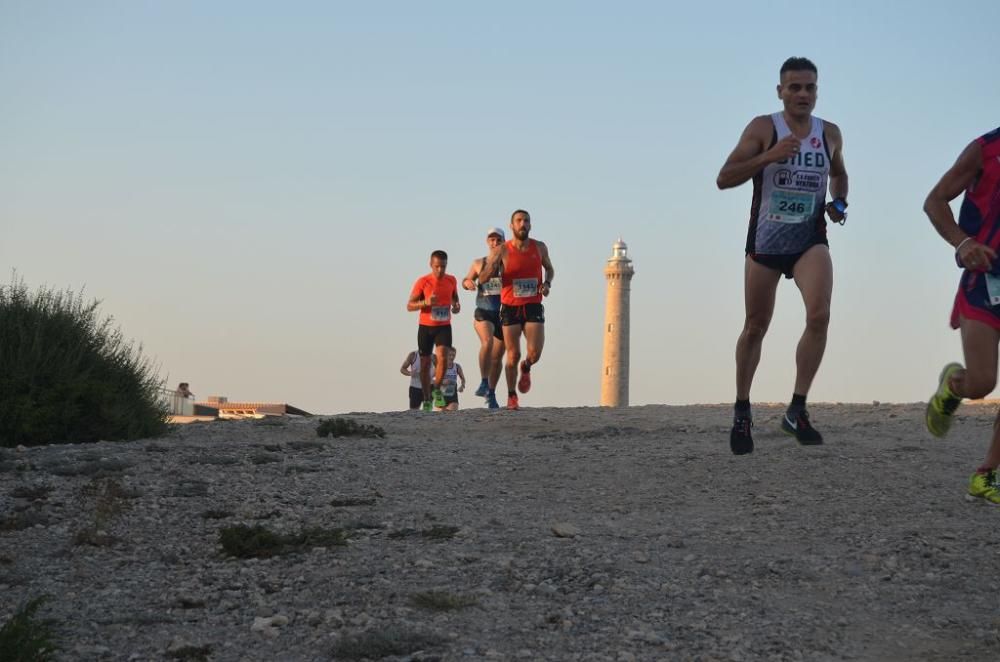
(976, 238)
(520, 262)
(487, 322)
(435, 295)
(790, 156)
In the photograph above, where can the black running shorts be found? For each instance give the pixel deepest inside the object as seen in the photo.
(429, 337)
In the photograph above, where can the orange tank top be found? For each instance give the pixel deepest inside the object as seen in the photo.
(522, 275)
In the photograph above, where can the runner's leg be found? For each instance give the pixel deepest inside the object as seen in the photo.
(512, 341)
(760, 286)
(814, 276)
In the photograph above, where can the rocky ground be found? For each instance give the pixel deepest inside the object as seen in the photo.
(544, 534)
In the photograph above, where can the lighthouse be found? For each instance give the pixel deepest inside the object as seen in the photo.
(614, 374)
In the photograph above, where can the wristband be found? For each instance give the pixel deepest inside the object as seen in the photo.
(962, 243)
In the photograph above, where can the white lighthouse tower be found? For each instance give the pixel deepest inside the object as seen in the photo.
(614, 376)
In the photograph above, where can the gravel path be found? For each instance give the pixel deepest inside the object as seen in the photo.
(545, 534)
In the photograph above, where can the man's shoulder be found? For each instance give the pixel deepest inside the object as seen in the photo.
(762, 123)
(830, 127)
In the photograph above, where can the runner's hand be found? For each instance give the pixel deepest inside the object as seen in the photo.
(835, 216)
(975, 256)
(784, 148)
(456, 308)
(468, 284)
(433, 299)
(544, 289)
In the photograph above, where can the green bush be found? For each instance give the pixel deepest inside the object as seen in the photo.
(348, 427)
(25, 638)
(68, 375)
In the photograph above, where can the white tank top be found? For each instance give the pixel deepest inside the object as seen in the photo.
(449, 385)
(789, 196)
(415, 372)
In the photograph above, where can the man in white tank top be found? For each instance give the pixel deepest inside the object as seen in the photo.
(792, 158)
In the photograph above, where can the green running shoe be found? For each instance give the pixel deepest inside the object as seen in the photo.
(427, 406)
(985, 486)
(439, 399)
(943, 403)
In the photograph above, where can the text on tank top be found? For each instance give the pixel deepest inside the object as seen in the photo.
(522, 275)
(792, 193)
(449, 385)
(488, 293)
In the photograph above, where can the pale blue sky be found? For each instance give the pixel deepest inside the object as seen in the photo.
(252, 188)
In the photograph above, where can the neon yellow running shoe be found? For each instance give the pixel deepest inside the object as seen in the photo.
(439, 399)
(985, 486)
(426, 406)
(943, 403)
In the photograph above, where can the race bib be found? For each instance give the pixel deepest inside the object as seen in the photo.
(993, 289)
(441, 313)
(791, 207)
(525, 287)
(491, 287)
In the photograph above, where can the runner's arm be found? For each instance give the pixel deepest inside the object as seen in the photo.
(405, 368)
(461, 375)
(751, 153)
(838, 171)
(550, 271)
(957, 179)
(472, 276)
(417, 301)
(493, 263)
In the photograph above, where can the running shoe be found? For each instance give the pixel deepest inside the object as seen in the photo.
(512, 402)
(740, 441)
(985, 486)
(439, 399)
(491, 401)
(483, 390)
(427, 406)
(801, 429)
(943, 403)
(524, 383)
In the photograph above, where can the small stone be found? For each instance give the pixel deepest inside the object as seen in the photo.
(565, 530)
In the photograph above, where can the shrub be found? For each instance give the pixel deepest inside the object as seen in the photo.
(67, 375)
(24, 638)
(348, 427)
(441, 601)
(377, 644)
(247, 542)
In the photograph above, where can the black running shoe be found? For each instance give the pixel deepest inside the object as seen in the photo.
(740, 440)
(801, 429)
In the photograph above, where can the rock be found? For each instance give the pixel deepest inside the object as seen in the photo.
(565, 530)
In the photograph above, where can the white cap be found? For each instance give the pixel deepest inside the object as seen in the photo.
(498, 231)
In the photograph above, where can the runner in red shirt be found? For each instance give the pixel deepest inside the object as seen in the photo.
(976, 240)
(520, 262)
(436, 297)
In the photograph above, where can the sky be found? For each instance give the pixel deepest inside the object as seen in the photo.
(252, 188)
